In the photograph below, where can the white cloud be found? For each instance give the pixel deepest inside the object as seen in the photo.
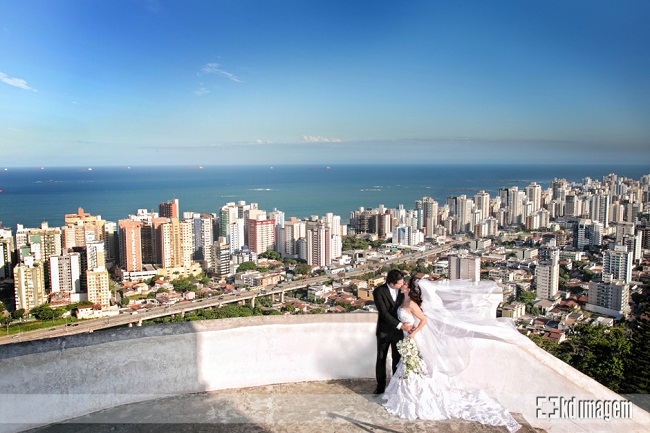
(201, 91)
(215, 68)
(15, 82)
(318, 139)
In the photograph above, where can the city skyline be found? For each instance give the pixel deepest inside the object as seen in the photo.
(154, 82)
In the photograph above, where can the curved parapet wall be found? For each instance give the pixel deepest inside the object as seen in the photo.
(49, 381)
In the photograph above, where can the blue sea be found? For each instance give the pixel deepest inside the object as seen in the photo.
(32, 195)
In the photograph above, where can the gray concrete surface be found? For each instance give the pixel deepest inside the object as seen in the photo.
(314, 407)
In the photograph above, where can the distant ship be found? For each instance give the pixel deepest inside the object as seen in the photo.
(321, 168)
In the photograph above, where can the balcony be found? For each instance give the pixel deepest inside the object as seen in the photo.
(227, 373)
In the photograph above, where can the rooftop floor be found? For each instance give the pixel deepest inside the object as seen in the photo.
(315, 407)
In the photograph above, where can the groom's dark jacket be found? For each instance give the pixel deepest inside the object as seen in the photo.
(387, 312)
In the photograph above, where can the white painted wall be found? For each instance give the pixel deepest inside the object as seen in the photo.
(49, 381)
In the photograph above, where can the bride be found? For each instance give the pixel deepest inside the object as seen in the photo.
(443, 332)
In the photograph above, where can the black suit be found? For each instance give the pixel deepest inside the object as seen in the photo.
(387, 333)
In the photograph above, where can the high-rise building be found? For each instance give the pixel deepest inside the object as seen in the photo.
(174, 243)
(336, 243)
(482, 203)
(235, 237)
(111, 243)
(547, 273)
(42, 243)
(202, 237)
(261, 234)
(65, 272)
(464, 268)
(39, 244)
(534, 196)
(29, 284)
(130, 245)
(429, 215)
(82, 227)
(227, 216)
(99, 292)
(169, 209)
(515, 206)
(618, 263)
(464, 213)
(6, 253)
(318, 243)
(278, 217)
(293, 230)
(587, 232)
(599, 208)
(573, 206)
(222, 264)
(402, 235)
(609, 297)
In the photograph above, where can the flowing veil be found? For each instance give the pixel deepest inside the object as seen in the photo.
(457, 312)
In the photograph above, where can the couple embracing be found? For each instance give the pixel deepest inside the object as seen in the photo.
(442, 333)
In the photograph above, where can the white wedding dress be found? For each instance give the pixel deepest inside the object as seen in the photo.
(444, 344)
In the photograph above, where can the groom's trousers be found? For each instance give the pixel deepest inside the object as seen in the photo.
(384, 342)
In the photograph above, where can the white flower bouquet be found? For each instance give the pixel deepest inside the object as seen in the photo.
(411, 357)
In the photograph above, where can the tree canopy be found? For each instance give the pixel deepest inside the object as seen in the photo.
(302, 269)
(271, 255)
(247, 266)
(354, 243)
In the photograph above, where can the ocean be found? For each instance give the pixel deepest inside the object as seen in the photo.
(32, 195)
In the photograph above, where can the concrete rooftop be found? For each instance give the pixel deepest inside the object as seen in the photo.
(315, 407)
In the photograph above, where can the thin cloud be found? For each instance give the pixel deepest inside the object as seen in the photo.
(215, 68)
(15, 82)
(201, 91)
(318, 139)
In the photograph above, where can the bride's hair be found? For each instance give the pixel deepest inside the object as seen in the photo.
(414, 291)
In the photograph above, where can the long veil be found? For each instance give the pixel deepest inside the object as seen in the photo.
(457, 312)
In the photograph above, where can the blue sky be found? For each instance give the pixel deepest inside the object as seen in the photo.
(142, 82)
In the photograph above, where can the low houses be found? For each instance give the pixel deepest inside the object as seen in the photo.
(555, 335)
(377, 281)
(544, 305)
(514, 310)
(319, 292)
(89, 311)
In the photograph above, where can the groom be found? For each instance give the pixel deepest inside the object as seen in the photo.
(389, 329)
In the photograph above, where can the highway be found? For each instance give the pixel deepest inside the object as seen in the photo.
(148, 313)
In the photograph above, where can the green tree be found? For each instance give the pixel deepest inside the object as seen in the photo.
(272, 313)
(271, 255)
(247, 266)
(354, 243)
(265, 301)
(525, 297)
(290, 308)
(302, 269)
(2, 307)
(601, 353)
(587, 275)
(42, 312)
(18, 314)
(637, 377)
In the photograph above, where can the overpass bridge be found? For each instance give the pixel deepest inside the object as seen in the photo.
(136, 318)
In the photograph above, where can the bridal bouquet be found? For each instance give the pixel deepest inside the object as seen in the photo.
(411, 357)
